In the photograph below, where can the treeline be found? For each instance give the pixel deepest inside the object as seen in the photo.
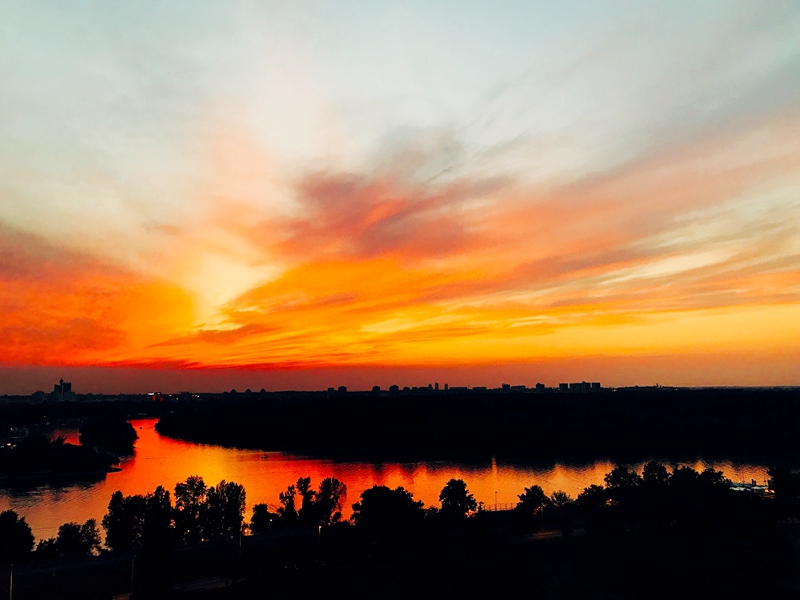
(23, 414)
(742, 424)
(200, 513)
(660, 534)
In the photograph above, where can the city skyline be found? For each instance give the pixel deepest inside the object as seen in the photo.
(199, 196)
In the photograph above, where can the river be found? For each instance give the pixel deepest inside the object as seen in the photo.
(160, 460)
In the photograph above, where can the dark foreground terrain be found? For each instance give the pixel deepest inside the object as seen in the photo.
(658, 535)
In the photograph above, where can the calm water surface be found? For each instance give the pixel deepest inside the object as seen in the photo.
(163, 461)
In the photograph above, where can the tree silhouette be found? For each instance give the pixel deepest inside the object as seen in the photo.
(157, 524)
(655, 474)
(223, 513)
(307, 497)
(456, 499)
(123, 522)
(262, 519)
(532, 500)
(16, 539)
(560, 499)
(190, 497)
(321, 507)
(330, 499)
(592, 498)
(622, 477)
(287, 510)
(563, 507)
(73, 539)
(530, 509)
(384, 513)
(139, 521)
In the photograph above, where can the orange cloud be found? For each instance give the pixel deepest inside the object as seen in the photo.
(671, 255)
(61, 307)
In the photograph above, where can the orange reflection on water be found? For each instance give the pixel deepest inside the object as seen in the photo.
(163, 461)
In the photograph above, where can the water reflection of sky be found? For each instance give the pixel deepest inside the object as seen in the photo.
(163, 461)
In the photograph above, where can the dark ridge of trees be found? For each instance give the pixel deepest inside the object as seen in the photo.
(111, 433)
(200, 514)
(37, 456)
(660, 535)
(692, 525)
(23, 414)
(747, 424)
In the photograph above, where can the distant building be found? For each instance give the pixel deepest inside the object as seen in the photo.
(584, 387)
(518, 388)
(62, 392)
(540, 387)
(506, 387)
(436, 386)
(446, 387)
(342, 389)
(376, 389)
(394, 390)
(479, 388)
(563, 387)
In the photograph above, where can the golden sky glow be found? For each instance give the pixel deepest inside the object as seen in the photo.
(223, 195)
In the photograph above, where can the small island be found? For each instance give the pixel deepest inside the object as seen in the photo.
(37, 457)
(109, 433)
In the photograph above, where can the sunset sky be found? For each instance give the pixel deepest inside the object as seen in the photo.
(206, 195)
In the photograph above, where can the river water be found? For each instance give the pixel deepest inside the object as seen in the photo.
(160, 460)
